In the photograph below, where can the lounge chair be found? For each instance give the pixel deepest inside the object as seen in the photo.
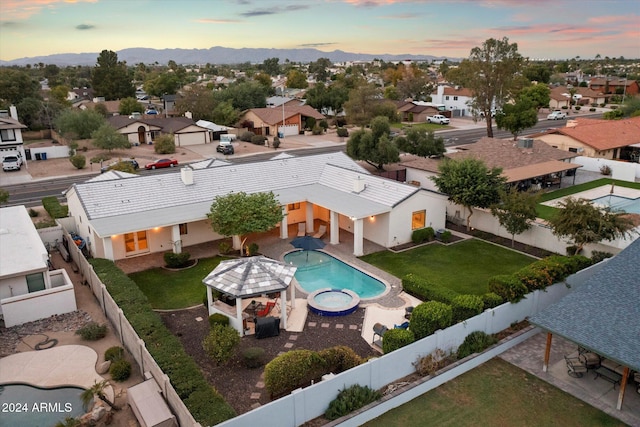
(267, 309)
(575, 367)
(403, 325)
(302, 229)
(322, 230)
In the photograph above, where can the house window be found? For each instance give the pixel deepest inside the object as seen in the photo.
(573, 150)
(136, 242)
(418, 219)
(183, 229)
(455, 98)
(35, 282)
(293, 206)
(446, 97)
(7, 135)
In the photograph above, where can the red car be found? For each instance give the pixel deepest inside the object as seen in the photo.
(161, 163)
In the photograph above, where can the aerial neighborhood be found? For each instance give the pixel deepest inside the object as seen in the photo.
(297, 242)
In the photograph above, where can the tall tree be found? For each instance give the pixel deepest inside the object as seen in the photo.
(517, 117)
(130, 105)
(238, 214)
(79, 124)
(15, 85)
(489, 73)
(470, 183)
(199, 101)
(296, 79)
(361, 103)
(108, 138)
(539, 94)
(421, 143)
(244, 95)
(162, 84)
(111, 78)
(373, 146)
(271, 66)
(320, 69)
(516, 210)
(584, 223)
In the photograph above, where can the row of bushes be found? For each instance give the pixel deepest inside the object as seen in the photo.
(427, 234)
(299, 368)
(206, 405)
(539, 275)
(54, 208)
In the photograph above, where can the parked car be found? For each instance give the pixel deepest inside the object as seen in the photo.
(438, 118)
(12, 162)
(557, 115)
(133, 163)
(161, 163)
(225, 149)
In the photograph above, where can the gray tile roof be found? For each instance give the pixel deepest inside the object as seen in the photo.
(141, 202)
(603, 314)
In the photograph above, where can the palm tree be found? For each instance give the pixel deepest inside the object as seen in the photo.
(97, 390)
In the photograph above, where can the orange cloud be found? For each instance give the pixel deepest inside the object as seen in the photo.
(23, 9)
(217, 21)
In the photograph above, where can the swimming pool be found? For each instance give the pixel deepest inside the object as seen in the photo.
(619, 203)
(25, 405)
(319, 270)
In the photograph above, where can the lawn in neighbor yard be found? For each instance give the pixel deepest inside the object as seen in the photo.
(465, 266)
(168, 289)
(496, 394)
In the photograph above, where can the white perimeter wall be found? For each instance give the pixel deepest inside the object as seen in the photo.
(624, 171)
(54, 152)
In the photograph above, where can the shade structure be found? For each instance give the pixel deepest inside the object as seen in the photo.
(308, 243)
(245, 277)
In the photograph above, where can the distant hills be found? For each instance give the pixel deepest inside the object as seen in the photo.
(214, 55)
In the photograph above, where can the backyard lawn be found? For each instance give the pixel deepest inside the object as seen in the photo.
(464, 267)
(167, 289)
(495, 394)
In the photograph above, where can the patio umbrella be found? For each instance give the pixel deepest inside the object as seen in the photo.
(308, 243)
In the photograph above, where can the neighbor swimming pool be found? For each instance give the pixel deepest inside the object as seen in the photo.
(319, 270)
(619, 203)
(28, 406)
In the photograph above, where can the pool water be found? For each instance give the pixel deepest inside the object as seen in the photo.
(619, 203)
(319, 270)
(26, 406)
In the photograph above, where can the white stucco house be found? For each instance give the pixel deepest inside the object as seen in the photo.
(11, 133)
(144, 130)
(122, 215)
(28, 289)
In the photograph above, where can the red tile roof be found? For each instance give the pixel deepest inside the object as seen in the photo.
(604, 134)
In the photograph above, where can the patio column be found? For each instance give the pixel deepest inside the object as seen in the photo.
(547, 352)
(283, 308)
(309, 217)
(175, 239)
(284, 224)
(107, 245)
(334, 223)
(239, 315)
(358, 227)
(209, 300)
(623, 386)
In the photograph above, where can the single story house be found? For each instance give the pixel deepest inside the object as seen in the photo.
(560, 96)
(122, 216)
(602, 139)
(28, 290)
(417, 112)
(145, 130)
(526, 162)
(614, 85)
(11, 133)
(285, 120)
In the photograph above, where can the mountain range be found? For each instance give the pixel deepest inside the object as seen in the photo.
(214, 55)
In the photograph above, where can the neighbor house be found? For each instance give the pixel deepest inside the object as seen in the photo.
(602, 139)
(455, 99)
(28, 289)
(145, 130)
(11, 133)
(124, 216)
(284, 120)
(614, 85)
(560, 97)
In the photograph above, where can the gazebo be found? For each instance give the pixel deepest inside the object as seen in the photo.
(603, 315)
(245, 278)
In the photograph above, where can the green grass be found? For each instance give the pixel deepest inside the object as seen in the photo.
(175, 289)
(421, 126)
(464, 267)
(546, 212)
(496, 394)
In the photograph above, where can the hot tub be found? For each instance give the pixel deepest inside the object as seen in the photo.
(333, 302)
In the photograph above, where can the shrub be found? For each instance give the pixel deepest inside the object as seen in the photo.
(351, 399)
(92, 331)
(508, 287)
(100, 158)
(592, 109)
(173, 260)
(577, 108)
(340, 358)
(475, 342)
(33, 213)
(422, 235)
(396, 338)
(276, 142)
(253, 357)
(246, 136)
(605, 170)
(120, 370)
(342, 132)
(253, 249)
(597, 256)
(426, 291)
(114, 353)
(258, 139)
(430, 316)
(291, 370)
(220, 342)
(466, 306)
(431, 363)
(165, 144)
(54, 208)
(317, 130)
(310, 122)
(564, 107)
(224, 248)
(491, 300)
(218, 319)
(445, 237)
(78, 161)
(323, 124)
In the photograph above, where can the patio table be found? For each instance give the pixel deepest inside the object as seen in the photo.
(609, 375)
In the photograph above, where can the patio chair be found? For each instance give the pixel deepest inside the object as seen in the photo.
(575, 366)
(322, 230)
(266, 310)
(404, 325)
(407, 312)
(379, 329)
(302, 229)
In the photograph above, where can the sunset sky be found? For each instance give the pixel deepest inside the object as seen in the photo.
(542, 28)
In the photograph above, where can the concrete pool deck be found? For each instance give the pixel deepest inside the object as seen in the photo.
(67, 365)
(594, 193)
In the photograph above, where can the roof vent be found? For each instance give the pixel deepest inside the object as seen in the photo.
(186, 174)
(358, 185)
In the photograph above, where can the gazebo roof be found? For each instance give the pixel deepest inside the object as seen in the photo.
(603, 315)
(246, 277)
